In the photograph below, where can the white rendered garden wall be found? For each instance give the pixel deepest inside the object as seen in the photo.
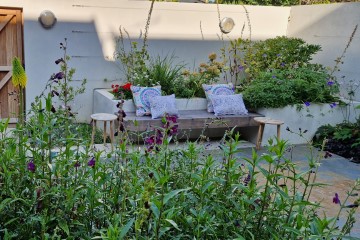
(331, 25)
(91, 27)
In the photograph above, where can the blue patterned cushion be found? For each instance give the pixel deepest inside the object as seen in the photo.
(142, 96)
(228, 104)
(163, 104)
(217, 89)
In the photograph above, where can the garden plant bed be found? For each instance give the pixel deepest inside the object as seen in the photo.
(342, 139)
(344, 149)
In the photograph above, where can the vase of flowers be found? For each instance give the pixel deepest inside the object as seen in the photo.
(121, 91)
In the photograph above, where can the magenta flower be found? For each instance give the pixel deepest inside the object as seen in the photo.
(172, 119)
(31, 166)
(91, 162)
(336, 199)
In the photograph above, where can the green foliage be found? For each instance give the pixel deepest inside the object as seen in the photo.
(167, 193)
(278, 53)
(189, 84)
(280, 88)
(344, 132)
(164, 72)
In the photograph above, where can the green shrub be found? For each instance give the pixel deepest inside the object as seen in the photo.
(280, 88)
(247, 59)
(278, 53)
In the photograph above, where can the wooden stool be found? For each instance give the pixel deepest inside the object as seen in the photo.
(263, 121)
(105, 117)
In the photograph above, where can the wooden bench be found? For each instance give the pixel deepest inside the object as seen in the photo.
(192, 119)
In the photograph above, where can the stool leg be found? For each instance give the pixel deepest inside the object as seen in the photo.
(112, 135)
(278, 132)
(93, 132)
(104, 132)
(260, 136)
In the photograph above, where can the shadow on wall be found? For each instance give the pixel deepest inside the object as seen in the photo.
(86, 51)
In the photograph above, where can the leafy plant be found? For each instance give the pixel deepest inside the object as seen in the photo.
(121, 92)
(163, 193)
(164, 72)
(342, 139)
(280, 88)
(134, 59)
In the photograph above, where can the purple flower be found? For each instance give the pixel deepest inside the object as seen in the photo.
(307, 104)
(171, 119)
(247, 179)
(173, 130)
(149, 140)
(240, 68)
(327, 154)
(59, 61)
(273, 76)
(54, 93)
(77, 164)
(278, 55)
(336, 199)
(31, 166)
(159, 140)
(330, 83)
(59, 75)
(332, 105)
(282, 64)
(264, 55)
(91, 162)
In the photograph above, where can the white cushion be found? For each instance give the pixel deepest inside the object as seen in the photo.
(217, 89)
(161, 105)
(228, 104)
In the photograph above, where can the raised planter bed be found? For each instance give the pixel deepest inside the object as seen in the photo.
(104, 103)
(309, 118)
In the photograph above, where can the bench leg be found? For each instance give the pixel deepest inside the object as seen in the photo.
(104, 132)
(278, 132)
(112, 135)
(93, 132)
(260, 135)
